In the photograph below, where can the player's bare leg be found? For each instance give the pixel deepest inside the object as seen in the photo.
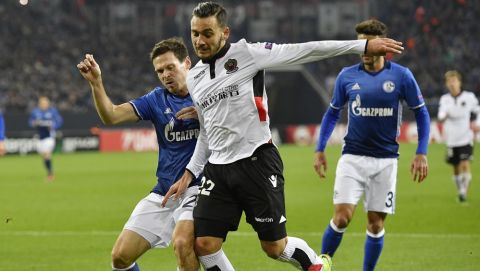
(374, 241)
(127, 249)
(183, 241)
(210, 253)
(333, 234)
(466, 176)
(296, 252)
(47, 161)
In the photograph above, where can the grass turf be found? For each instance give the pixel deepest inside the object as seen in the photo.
(72, 223)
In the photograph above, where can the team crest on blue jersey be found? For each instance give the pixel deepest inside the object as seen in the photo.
(388, 86)
(231, 66)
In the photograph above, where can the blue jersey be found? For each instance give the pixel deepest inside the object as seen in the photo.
(176, 138)
(2, 128)
(375, 107)
(46, 122)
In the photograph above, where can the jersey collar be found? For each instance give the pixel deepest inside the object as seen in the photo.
(218, 55)
(386, 66)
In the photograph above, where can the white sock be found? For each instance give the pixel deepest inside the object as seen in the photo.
(218, 259)
(123, 269)
(458, 182)
(298, 253)
(466, 178)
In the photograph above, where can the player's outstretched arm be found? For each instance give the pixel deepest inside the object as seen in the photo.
(108, 112)
(382, 46)
(320, 163)
(178, 188)
(419, 168)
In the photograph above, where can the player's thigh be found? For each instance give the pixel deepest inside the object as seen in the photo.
(380, 194)
(130, 246)
(152, 221)
(183, 234)
(260, 187)
(350, 179)
(217, 210)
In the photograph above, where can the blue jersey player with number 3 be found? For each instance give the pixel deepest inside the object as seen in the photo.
(374, 91)
(171, 111)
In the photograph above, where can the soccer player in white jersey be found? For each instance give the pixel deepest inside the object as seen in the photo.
(454, 111)
(170, 110)
(46, 120)
(373, 90)
(244, 172)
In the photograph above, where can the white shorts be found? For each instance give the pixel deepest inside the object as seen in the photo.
(156, 223)
(46, 145)
(376, 177)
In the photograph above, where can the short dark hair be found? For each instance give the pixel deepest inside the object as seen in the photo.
(372, 27)
(207, 9)
(174, 45)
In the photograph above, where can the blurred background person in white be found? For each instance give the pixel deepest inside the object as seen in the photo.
(455, 111)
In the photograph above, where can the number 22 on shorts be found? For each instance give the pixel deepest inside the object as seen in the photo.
(206, 186)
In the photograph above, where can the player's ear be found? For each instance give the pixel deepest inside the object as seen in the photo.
(226, 33)
(187, 63)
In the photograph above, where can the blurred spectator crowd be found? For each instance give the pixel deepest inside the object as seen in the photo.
(44, 40)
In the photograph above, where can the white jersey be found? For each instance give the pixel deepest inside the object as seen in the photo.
(229, 94)
(456, 111)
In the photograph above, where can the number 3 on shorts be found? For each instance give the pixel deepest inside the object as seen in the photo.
(206, 187)
(389, 201)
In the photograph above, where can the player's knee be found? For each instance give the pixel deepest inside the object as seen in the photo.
(182, 245)
(120, 259)
(273, 249)
(341, 221)
(375, 227)
(205, 246)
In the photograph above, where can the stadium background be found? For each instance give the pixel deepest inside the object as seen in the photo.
(42, 42)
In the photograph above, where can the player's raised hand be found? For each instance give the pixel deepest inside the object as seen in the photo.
(419, 168)
(178, 188)
(320, 164)
(89, 69)
(382, 46)
(187, 113)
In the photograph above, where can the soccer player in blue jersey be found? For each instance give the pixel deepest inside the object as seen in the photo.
(46, 120)
(2, 135)
(374, 91)
(170, 110)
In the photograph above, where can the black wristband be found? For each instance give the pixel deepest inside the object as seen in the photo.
(191, 173)
(366, 46)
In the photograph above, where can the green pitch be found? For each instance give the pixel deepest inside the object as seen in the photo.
(72, 223)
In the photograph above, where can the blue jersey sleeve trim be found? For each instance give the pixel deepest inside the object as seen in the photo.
(335, 107)
(423, 128)
(329, 121)
(418, 106)
(2, 128)
(136, 110)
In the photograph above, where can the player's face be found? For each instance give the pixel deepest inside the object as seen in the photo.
(369, 60)
(453, 84)
(172, 73)
(43, 104)
(208, 37)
